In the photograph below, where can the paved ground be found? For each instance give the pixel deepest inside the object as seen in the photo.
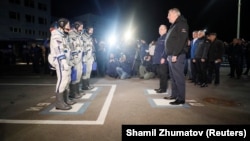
(27, 109)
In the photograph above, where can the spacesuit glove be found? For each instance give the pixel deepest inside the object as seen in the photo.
(71, 63)
(65, 65)
(84, 60)
(77, 60)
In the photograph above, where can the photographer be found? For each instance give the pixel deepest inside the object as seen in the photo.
(112, 64)
(141, 49)
(146, 68)
(124, 68)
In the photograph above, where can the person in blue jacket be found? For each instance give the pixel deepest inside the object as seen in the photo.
(161, 68)
(111, 66)
(124, 69)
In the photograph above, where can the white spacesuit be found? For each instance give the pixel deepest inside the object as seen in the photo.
(77, 51)
(60, 58)
(88, 58)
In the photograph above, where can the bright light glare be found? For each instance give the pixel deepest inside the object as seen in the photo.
(112, 40)
(128, 35)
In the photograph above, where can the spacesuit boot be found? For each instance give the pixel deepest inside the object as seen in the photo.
(60, 104)
(85, 84)
(90, 87)
(78, 92)
(66, 98)
(73, 93)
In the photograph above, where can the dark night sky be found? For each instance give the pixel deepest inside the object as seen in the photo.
(215, 15)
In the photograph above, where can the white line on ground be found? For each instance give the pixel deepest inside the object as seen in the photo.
(100, 120)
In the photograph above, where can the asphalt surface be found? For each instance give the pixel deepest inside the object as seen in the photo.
(27, 107)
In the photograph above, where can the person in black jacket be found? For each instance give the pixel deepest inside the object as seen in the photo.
(235, 55)
(215, 54)
(146, 70)
(175, 43)
(201, 59)
(36, 54)
(247, 55)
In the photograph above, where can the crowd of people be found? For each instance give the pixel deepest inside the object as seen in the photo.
(73, 54)
(174, 56)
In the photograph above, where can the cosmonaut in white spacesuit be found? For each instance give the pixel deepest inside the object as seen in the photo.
(88, 58)
(60, 58)
(77, 51)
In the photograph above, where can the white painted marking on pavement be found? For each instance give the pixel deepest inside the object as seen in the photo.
(74, 109)
(151, 91)
(100, 120)
(43, 104)
(191, 100)
(86, 96)
(106, 105)
(164, 102)
(94, 89)
(196, 104)
(34, 109)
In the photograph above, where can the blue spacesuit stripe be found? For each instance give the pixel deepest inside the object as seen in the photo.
(74, 53)
(60, 77)
(61, 57)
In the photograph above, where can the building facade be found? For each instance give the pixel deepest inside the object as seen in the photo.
(23, 20)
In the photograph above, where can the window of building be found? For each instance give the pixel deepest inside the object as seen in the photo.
(29, 32)
(14, 15)
(42, 33)
(26, 31)
(42, 20)
(42, 6)
(15, 29)
(29, 3)
(15, 2)
(30, 18)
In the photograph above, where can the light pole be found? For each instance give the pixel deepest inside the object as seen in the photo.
(238, 22)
